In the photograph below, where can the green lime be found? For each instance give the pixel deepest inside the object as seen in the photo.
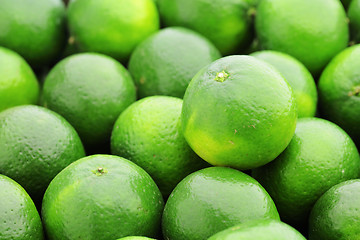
(226, 23)
(214, 199)
(339, 91)
(18, 84)
(36, 144)
(112, 27)
(90, 90)
(354, 16)
(265, 229)
(19, 219)
(149, 134)
(319, 156)
(102, 197)
(136, 238)
(299, 78)
(165, 63)
(34, 29)
(336, 215)
(239, 112)
(313, 31)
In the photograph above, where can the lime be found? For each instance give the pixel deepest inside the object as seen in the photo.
(299, 78)
(354, 16)
(266, 229)
(36, 144)
(149, 134)
(136, 238)
(112, 27)
(336, 215)
(239, 112)
(313, 31)
(213, 199)
(339, 91)
(18, 84)
(90, 90)
(165, 63)
(19, 219)
(102, 197)
(319, 156)
(226, 23)
(34, 29)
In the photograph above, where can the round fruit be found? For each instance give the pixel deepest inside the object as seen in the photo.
(18, 84)
(34, 29)
(19, 219)
(354, 16)
(165, 63)
(226, 23)
(90, 90)
(214, 199)
(136, 238)
(339, 91)
(112, 27)
(149, 134)
(239, 112)
(313, 31)
(267, 229)
(336, 215)
(102, 197)
(35, 145)
(299, 78)
(319, 156)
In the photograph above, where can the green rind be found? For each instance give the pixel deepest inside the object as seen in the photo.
(354, 17)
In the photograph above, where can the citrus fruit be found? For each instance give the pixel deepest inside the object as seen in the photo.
(149, 134)
(112, 27)
(299, 78)
(36, 144)
(226, 23)
(354, 16)
(90, 90)
(339, 91)
(19, 219)
(336, 215)
(165, 63)
(213, 199)
(238, 112)
(18, 83)
(267, 229)
(319, 156)
(136, 238)
(34, 29)
(313, 31)
(102, 197)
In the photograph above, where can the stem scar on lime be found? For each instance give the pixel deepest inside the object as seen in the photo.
(99, 171)
(221, 76)
(355, 91)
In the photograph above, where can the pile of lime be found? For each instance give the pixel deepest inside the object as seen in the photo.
(179, 120)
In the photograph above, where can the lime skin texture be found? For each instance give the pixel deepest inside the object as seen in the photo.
(34, 29)
(354, 17)
(319, 156)
(18, 83)
(239, 112)
(102, 197)
(214, 199)
(19, 219)
(36, 144)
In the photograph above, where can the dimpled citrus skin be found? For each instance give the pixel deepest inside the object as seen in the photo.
(339, 91)
(112, 27)
(19, 219)
(213, 199)
(319, 156)
(36, 144)
(299, 78)
(313, 31)
(18, 84)
(165, 63)
(354, 16)
(267, 229)
(102, 197)
(149, 134)
(336, 215)
(90, 90)
(226, 23)
(245, 121)
(34, 29)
